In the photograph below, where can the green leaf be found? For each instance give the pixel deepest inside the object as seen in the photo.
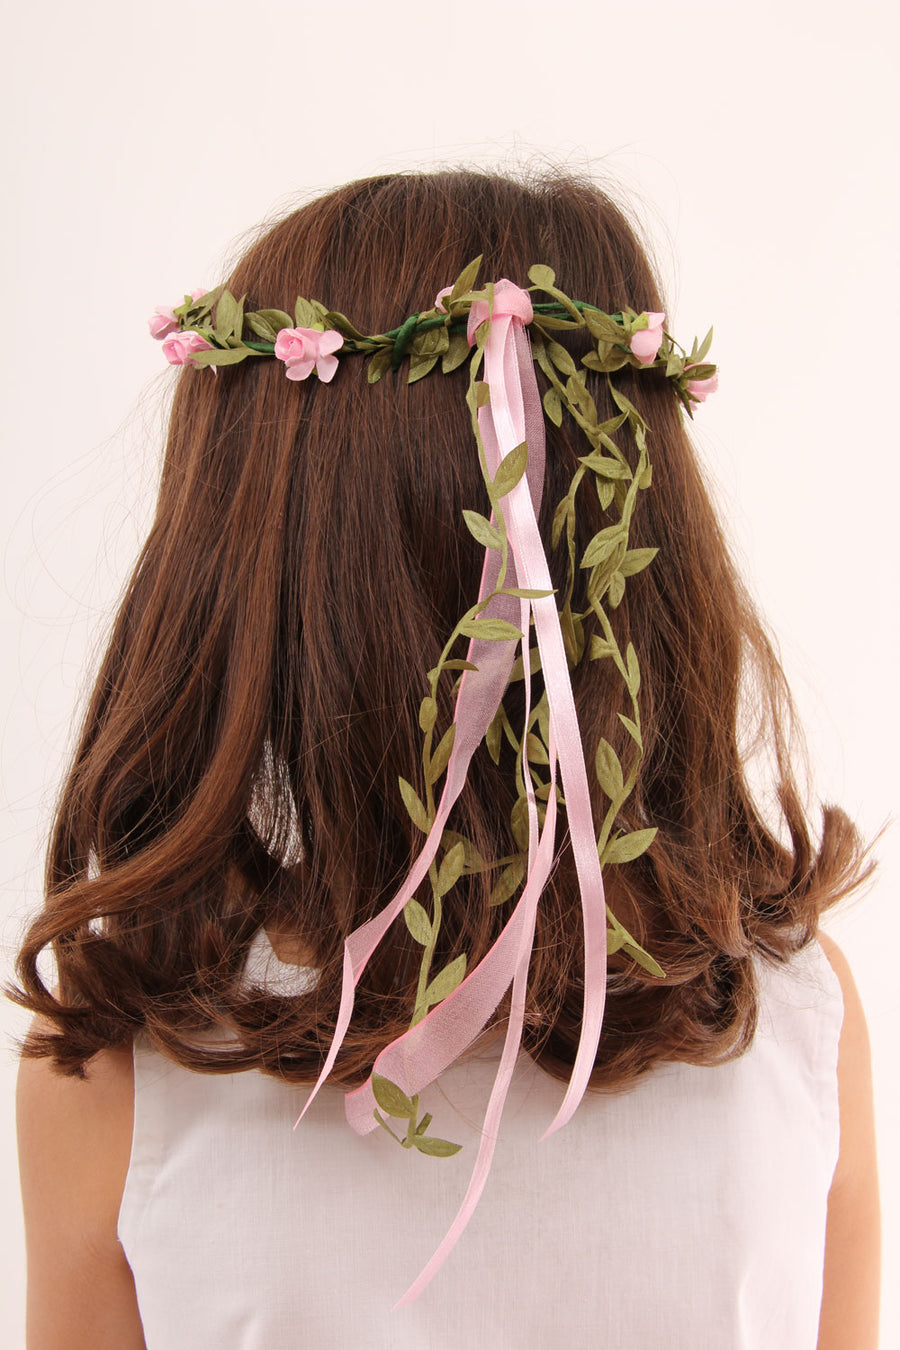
(464, 282)
(674, 364)
(608, 770)
(202, 305)
(333, 318)
(226, 316)
(704, 346)
(427, 713)
(537, 753)
(305, 315)
(424, 1123)
(573, 635)
(511, 469)
(643, 958)
(545, 277)
(434, 1147)
(561, 358)
(431, 342)
(473, 859)
(261, 327)
(482, 530)
(604, 360)
(379, 364)
(419, 366)
(518, 819)
(418, 922)
(577, 391)
(603, 544)
(456, 664)
(612, 425)
(564, 512)
(603, 326)
(455, 354)
(636, 559)
(217, 357)
(482, 394)
(616, 589)
(634, 673)
(441, 757)
(414, 806)
(494, 630)
(553, 407)
(633, 730)
(450, 869)
(600, 649)
(605, 491)
(615, 937)
(624, 404)
(700, 372)
(544, 322)
(605, 465)
(392, 1099)
(509, 881)
(446, 981)
(239, 318)
(628, 846)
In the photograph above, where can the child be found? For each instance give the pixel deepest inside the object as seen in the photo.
(232, 848)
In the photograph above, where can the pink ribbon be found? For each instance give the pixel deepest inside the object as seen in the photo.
(509, 372)
(416, 1058)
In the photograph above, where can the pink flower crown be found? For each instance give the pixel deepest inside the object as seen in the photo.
(192, 334)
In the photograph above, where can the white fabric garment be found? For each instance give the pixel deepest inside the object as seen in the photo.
(688, 1213)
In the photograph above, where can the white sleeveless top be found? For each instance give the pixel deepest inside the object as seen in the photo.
(688, 1213)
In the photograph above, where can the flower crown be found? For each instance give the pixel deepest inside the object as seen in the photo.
(192, 335)
(488, 327)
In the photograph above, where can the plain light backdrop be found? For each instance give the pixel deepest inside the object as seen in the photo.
(757, 145)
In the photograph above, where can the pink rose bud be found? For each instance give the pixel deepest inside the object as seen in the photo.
(701, 389)
(439, 299)
(177, 349)
(301, 349)
(163, 322)
(646, 342)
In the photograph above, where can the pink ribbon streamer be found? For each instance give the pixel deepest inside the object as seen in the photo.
(415, 1059)
(509, 371)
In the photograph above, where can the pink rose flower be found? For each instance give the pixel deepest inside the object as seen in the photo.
(701, 389)
(163, 322)
(177, 349)
(646, 342)
(302, 348)
(439, 298)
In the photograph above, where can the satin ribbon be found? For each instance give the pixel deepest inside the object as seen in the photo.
(415, 1059)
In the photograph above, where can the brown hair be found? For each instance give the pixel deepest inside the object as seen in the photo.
(239, 757)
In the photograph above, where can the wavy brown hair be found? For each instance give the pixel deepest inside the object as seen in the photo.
(238, 761)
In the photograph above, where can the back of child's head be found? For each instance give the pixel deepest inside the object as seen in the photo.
(259, 697)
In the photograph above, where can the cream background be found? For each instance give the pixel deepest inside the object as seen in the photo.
(758, 143)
